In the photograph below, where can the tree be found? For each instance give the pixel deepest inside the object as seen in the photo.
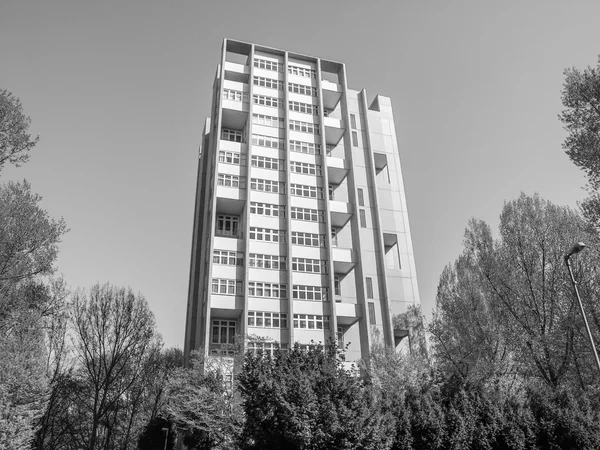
(30, 304)
(308, 400)
(15, 142)
(202, 406)
(115, 343)
(581, 118)
(507, 303)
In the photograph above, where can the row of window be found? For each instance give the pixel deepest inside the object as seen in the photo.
(304, 127)
(227, 180)
(267, 319)
(232, 158)
(308, 214)
(264, 162)
(302, 190)
(315, 293)
(306, 168)
(265, 100)
(302, 89)
(309, 265)
(305, 147)
(267, 209)
(238, 96)
(228, 258)
(311, 321)
(308, 239)
(269, 121)
(268, 235)
(279, 67)
(268, 83)
(274, 262)
(268, 141)
(267, 290)
(276, 187)
(305, 108)
(272, 290)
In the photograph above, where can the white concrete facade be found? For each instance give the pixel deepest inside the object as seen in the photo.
(301, 228)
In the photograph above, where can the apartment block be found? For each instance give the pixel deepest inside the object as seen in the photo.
(301, 229)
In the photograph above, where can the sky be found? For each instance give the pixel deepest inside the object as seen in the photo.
(118, 93)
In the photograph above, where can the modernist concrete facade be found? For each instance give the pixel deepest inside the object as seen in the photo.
(301, 228)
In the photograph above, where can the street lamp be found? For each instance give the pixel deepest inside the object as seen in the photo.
(166, 436)
(576, 249)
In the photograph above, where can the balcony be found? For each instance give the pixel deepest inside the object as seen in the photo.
(230, 200)
(226, 306)
(340, 213)
(334, 130)
(337, 169)
(347, 313)
(332, 92)
(236, 72)
(380, 160)
(343, 260)
(235, 107)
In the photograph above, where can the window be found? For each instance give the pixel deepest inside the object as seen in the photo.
(236, 158)
(302, 71)
(311, 215)
(237, 96)
(330, 191)
(265, 100)
(361, 198)
(355, 138)
(302, 190)
(302, 89)
(340, 337)
(337, 286)
(268, 82)
(265, 162)
(223, 332)
(226, 287)
(267, 348)
(268, 65)
(334, 241)
(372, 317)
(267, 319)
(228, 258)
(304, 127)
(312, 322)
(308, 239)
(313, 293)
(276, 187)
(267, 235)
(306, 168)
(309, 265)
(363, 218)
(267, 209)
(227, 225)
(353, 121)
(267, 290)
(273, 262)
(305, 108)
(268, 141)
(369, 282)
(305, 147)
(235, 181)
(231, 135)
(269, 121)
(329, 148)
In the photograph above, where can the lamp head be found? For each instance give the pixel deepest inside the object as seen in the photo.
(576, 249)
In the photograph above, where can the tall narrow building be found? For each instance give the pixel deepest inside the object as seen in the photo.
(300, 227)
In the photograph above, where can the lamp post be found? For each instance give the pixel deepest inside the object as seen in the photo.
(166, 430)
(576, 249)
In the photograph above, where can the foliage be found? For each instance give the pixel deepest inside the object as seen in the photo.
(201, 404)
(308, 400)
(506, 307)
(414, 322)
(15, 142)
(581, 119)
(154, 435)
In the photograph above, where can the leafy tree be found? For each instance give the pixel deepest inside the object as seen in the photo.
(507, 303)
(201, 404)
(308, 400)
(581, 118)
(115, 342)
(15, 142)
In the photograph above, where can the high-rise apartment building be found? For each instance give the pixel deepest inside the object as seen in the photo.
(300, 228)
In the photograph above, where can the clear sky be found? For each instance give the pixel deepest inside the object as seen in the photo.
(118, 92)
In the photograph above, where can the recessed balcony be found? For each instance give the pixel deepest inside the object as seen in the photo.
(343, 260)
(337, 169)
(230, 200)
(332, 92)
(334, 130)
(380, 160)
(226, 306)
(347, 313)
(236, 72)
(340, 213)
